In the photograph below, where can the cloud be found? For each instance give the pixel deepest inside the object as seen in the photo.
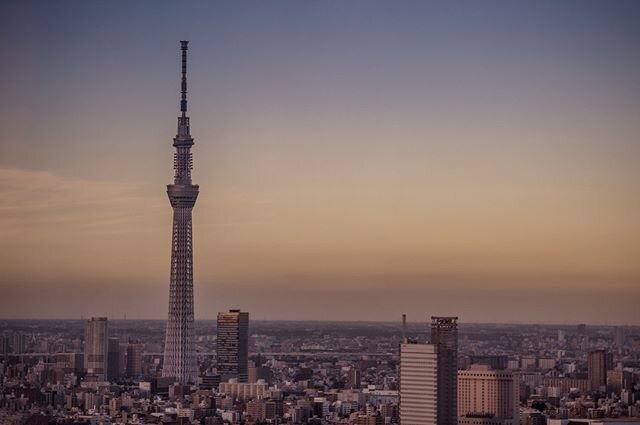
(41, 200)
(57, 227)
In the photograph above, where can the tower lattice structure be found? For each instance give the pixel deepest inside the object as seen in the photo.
(179, 347)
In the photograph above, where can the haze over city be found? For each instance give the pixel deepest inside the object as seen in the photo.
(356, 160)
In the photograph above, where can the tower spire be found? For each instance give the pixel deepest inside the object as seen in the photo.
(179, 347)
(184, 45)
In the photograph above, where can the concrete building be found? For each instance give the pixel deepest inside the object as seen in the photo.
(566, 384)
(353, 378)
(134, 359)
(243, 390)
(96, 348)
(619, 379)
(487, 393)
(232, 347)
(444, 335)
(418, 384)
(113, 359)
(598, 363)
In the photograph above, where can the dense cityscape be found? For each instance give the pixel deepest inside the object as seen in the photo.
(430, 370)
(101, 371)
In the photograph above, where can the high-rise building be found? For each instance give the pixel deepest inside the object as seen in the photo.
(232, 346)
(179, 346)
(5, 347)
(19, 343)
(619, 379)
(486, 393)
(598, 363)
(353, 378)
(444, 335)
(418, 384)
(95, 347)
(429, 376)
(134, 359)
(113, 359)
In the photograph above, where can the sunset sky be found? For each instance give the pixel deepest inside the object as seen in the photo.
(357, 160)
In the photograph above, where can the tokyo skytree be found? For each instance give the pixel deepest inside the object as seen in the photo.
(179, 345)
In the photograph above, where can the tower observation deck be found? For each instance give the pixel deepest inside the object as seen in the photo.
(179, 346)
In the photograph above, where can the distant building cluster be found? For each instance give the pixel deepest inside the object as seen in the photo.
(102, 371)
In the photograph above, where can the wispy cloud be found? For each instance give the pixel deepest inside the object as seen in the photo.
(41, 199)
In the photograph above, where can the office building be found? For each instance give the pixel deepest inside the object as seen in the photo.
(353, 378)
(487, 393)
(113, 359)
(19, 343)
(444, 335)
(418, 384)
(232, 346)
(598, 363)
(619, 379)
(134, 359)
(96, 348)
(243, 390)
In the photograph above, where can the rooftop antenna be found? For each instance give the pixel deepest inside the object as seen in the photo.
(183, 100)
(404, 328)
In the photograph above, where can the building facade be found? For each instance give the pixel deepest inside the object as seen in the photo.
(487, 393)
(96, 346)
(444, 335)
(418, 396)
(598, 363)
(232, 346)
(134, 359)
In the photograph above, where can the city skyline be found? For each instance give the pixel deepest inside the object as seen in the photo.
(427, 159)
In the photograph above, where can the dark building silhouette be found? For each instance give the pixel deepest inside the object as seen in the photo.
(232, 348)
(113, 359)
(353, 379)
(444, 335)
(134, 359)
(598, 363)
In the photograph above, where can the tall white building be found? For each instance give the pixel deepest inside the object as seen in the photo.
(95, 347)
(418, 384)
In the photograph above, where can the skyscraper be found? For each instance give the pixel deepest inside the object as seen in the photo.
(113, 359)
(598, 363)
(232, 347)
(429, 375)
(134, 359)
(418, 384)
(95, 347)
(444, 335)
(179, 346)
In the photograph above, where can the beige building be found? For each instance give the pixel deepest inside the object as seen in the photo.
(243, 390)
(488, 396)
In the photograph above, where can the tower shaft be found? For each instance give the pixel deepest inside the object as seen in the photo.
(179, 349)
